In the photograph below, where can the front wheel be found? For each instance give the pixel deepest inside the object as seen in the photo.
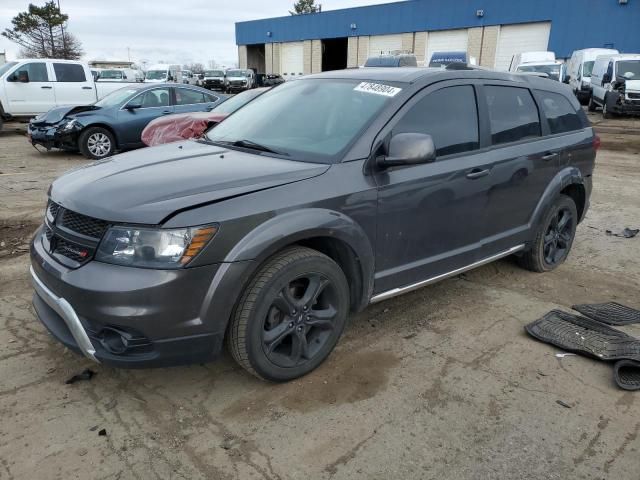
(290, 316)
(554, 237)
(592, 105)
(96, 143)
(606, 111)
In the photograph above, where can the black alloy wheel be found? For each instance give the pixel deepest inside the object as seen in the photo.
(559, 236)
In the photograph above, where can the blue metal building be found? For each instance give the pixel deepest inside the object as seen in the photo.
(495, 29)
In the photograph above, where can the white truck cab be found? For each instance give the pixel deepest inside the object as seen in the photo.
(34, 86)
(615, 84)
(537, 62)
(579, 69)
(163, 73)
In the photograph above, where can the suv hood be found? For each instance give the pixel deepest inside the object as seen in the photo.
(148, 185)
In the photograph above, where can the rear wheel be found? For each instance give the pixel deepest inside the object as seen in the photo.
(592, 105)
(97, 143)
(606, 112)
(290, 316)
(554, 237)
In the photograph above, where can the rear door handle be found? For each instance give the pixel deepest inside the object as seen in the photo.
(166, 112)
(550, 155)
(477, 173)
(46, 87)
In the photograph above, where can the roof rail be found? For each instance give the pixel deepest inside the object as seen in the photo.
(463, 66)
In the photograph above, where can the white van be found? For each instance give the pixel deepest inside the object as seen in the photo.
(163, 73)
(615, 84)
(579, 69)
(537, 62)
(120, 75)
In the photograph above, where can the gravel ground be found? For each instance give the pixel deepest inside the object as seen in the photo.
(442, 383)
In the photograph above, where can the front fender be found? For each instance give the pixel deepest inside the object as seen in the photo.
(567, 176)
(244, 259)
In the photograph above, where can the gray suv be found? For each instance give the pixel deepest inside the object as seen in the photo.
(314, 200)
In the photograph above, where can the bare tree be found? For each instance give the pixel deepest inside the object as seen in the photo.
(41, 33)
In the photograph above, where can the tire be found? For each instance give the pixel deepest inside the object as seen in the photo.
(592, 105)
(279, 346)
(606, 113)
(96, 143)
(553, 232)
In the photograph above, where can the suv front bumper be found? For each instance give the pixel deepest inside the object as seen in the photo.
(157, 317)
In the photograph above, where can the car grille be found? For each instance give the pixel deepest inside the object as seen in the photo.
(634, 96)
(70, 237)
(78, 223)
(237, 83)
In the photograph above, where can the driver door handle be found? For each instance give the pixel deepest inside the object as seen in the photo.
(46, 87)
(166, 112)
(549, 156)
(478, 173)
(87, 88)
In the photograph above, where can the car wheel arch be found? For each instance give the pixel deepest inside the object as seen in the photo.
(101, 125)
(329, 232)
(568, 181)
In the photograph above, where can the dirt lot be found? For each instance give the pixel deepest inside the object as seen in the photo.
(442, 383)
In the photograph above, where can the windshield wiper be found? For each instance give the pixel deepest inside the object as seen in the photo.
(252, 146)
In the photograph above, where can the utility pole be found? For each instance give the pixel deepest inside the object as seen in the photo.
(64, 41)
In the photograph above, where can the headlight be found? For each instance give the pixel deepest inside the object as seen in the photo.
(153, 248)
(69, 124)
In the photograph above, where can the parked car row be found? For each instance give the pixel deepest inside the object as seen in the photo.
(236, 80)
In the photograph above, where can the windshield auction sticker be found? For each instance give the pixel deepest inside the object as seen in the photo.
(378, 89)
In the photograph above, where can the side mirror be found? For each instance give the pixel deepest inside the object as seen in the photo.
(23, 76)
(134, 105)
(408, 149)
(606, 78)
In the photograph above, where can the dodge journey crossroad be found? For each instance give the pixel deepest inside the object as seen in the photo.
(314, 200)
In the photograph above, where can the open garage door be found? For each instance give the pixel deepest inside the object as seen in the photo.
(446, 41)
(292, 60)
(384, 44)
(526, 37)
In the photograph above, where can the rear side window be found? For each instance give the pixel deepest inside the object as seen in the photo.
(561, 116)
(513, 115)
(437, 112)
(69, 72)
(185, 96)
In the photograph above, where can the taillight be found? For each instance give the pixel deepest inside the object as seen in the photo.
(596, 142)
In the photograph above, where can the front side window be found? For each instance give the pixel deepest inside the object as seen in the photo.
(69, 72)
(561, 116)
(185, 96)
(158, 97)
(513, 115)
(449, 115)
(37, 72)
(628, 69)
(309, 120)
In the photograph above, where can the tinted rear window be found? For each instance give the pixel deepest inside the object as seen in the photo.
(513, 115)
(561, 116)
(437, 112)
(69, 72)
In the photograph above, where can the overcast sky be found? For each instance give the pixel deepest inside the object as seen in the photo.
(183, 31)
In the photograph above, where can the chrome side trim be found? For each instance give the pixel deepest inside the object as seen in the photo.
(453, 273)
(68, 314)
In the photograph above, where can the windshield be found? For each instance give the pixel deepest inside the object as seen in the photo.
(116, 97)
(587, 68)
(214, 73)
(236, 73)
(4, 68)
(553, 69)
(629, 69)
(156, 74)
(237, 101)
(111, 74)
(309, 120)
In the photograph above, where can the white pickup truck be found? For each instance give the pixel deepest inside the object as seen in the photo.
(31, 87)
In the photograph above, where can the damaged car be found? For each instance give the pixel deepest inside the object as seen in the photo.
(271, 230)
(116, 121)
(615, 84)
